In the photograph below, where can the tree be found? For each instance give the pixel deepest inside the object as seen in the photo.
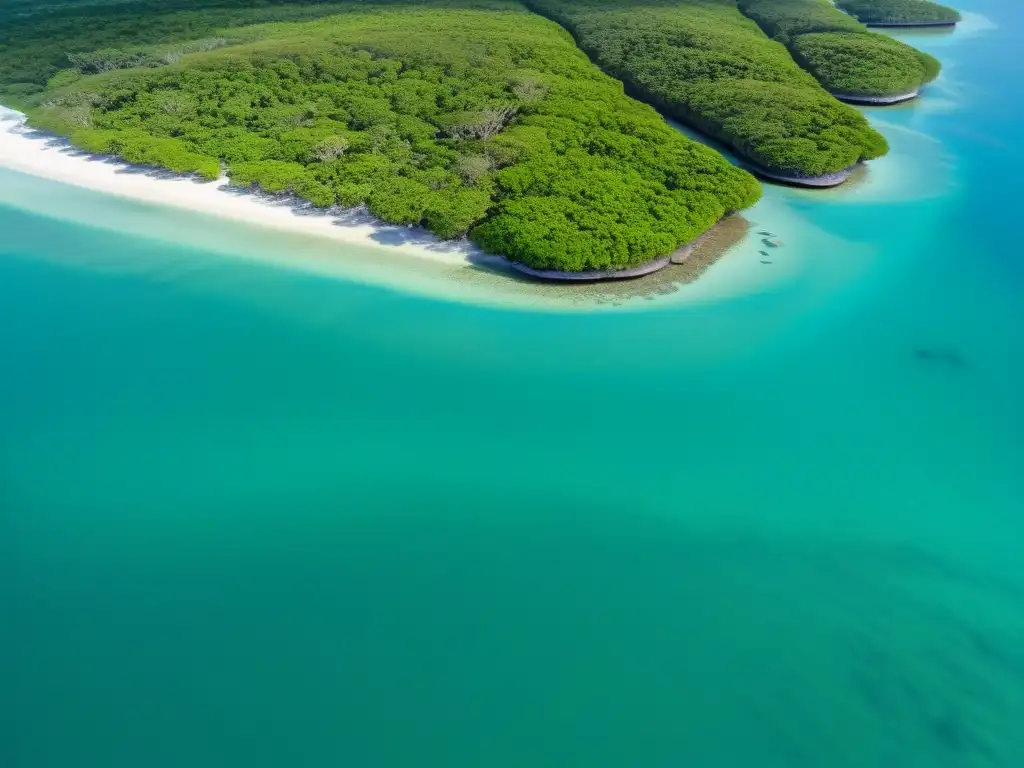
(482, 125)
(472, 168)
(80, 115)
(109, 59)
(529, 90)
(330, 148)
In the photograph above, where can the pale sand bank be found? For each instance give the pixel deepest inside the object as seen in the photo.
(917, 167)
(31, 152)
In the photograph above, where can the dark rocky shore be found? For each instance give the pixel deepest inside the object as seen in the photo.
(896, 98)
(796, 180)
(595, 274)
(910, 23)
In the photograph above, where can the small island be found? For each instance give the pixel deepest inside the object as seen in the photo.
(900, 13)
(851, 62)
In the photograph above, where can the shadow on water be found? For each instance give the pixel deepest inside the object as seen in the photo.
(949, 358)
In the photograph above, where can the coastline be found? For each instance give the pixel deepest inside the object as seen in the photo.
(742, 160)
(206, 253)
(895, 24)
(746, 162)
(28, 151)
(594, 274)
(825, 180)
(680, 256)
(35, 153)
(896, 98)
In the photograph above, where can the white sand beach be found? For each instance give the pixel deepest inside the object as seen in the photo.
(27, 151)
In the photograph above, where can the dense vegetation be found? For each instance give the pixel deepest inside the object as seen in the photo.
(899, 11)
(840, 51)
(858, 64)
(35, 41)
(785, 20)
(703, 63)
(487, 120)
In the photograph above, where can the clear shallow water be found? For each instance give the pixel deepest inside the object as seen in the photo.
(254, 516)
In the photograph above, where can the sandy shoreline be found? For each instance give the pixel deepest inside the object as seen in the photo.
(34, 153)
(405, 258)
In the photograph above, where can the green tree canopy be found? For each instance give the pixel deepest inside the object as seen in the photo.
(487, 121)
(839, 51)
(704, 64)
(899, 11)
(859, 64)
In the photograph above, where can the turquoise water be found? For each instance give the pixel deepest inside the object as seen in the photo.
(256, 516)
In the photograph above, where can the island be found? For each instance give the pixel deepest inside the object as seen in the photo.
(851, 62)
(480, 121)
(900, 13)
(476, 119)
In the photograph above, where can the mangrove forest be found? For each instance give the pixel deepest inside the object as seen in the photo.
(484, 120)
(703, 63)
(520, 125)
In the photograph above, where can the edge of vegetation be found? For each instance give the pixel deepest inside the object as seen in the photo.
(900, 12)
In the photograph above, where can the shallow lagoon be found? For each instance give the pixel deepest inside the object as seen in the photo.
(250, 515)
